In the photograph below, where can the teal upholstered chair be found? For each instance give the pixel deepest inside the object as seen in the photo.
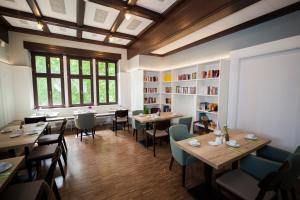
(275, 154)
(177, 133)
(136, 126)
(185, 121)
(259, 178)
(85, 122)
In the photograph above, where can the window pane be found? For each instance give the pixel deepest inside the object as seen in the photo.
(56, 91)
(55, 65)
(42, 91)
(112, 91)
(75, 91)
(74, 66)
(87, 91)
(40, 64)
(102, 91)
(111, 69)
(86, 67)
(101, 69)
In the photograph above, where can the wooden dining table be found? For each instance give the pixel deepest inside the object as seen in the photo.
(6, 176)
(30, 134)
(216, 157)
(148, 118)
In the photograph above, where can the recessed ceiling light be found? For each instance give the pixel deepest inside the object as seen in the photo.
(40, 26)
(111, 39)
(127, 16)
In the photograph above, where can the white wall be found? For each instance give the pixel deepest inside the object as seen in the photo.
(264, 95)
(7, 108)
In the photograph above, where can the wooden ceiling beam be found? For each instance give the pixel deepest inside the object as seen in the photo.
(80, 16)
(46, 48)
(38, 14)
(178, 23)
(58, 22)
(133, 9)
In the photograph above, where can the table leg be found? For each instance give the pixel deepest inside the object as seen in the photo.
(235, 164)
(208, 173)
(12, 153)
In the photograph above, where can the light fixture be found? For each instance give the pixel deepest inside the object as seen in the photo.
(40, 26)
(2, 43)
(127, 16)
(111, 39)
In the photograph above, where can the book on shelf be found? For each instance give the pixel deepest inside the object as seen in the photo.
(149, 100)
(183, 77)
(209, 74)
(151, 78)
(185, 90)
(150, 90)
(168, 89)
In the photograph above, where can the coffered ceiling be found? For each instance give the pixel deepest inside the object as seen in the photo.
(157, 27)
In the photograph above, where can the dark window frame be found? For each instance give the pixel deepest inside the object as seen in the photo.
(47, 75)
(107, 78)
(80, 76)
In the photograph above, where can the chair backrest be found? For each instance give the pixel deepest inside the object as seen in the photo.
(63, 125)
(162, 125)
(121, 113)
(86, 120)
(178, 132)
(136, 124)
(285, 178)
(50, 174)
(186, 121)
(31, 120)
(154, 110)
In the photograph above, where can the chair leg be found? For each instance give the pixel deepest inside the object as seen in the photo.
(171, 163)
(64, 155)
(116, 128)
(128, 127)
(65, 144)
(81, 135)
(136, 135)
(147, 141)
(77, 131)
(183, 175)
(293, 193)
(55, 190)
(153, 146)
(61, 168)
(93, 133)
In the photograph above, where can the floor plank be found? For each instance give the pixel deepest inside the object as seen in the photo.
(111, 167)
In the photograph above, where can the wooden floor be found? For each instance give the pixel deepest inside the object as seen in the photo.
(111, 167)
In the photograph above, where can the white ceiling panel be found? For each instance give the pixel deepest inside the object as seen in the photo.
(21, 23)
(134, 25)
(62, 30)
(93, 36)
(116, 40)
(156, 5)
(59, 9)
(99, 16)
(277, 4)
(21, 5)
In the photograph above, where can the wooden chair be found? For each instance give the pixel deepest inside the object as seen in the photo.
(201, 130)
(31, 120)
(35, 190)
(54, 137)
(39, 153)
(160, 131)
(121, 117)
(85, 122)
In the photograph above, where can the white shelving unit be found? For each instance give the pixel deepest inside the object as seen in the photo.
(151, 81)
(187, 101)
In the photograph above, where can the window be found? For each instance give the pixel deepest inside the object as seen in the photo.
(48, 84)
(80, 77)
(107, 87)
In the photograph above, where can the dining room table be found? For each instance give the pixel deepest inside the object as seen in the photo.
(12, 137)
(217, 156)
(11, 166)
(150, 118)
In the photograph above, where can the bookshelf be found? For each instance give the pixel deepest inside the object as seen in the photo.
(195, 90)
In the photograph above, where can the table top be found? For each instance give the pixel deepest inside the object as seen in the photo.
(27, 138)
(48, 115)
(7, 175)
(222, 155)
(151, 117)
